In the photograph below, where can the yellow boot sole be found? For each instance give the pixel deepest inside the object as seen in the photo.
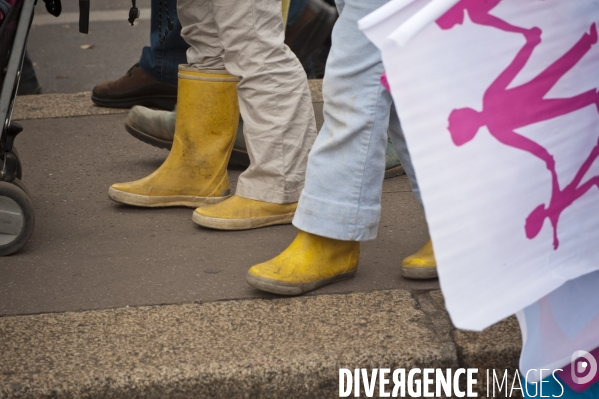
(287, 288)
(241, 224)
(148, 201)
(419, 273)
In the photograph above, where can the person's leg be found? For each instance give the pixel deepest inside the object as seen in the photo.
(399, 144)
(274, 99)
(342, 195)
(296, 7)
(309, 28)
(276, 108)
(422, 264)
(393, 166)
(152, 81)
(200, 31)
(167, 48)
(341, 201)
(195, 172)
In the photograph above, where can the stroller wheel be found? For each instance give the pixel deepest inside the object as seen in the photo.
(19, 168)
(16, 218)
(17, 182)
(19, 174)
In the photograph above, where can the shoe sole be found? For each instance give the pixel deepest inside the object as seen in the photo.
(162, 102)
(284, 288)
(394, 171)
(419, 273)
(147, 201)
(239, 158)
(241, 224)
(146, 138)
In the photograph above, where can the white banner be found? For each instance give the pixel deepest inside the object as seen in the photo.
(499, 104)
(559, 325)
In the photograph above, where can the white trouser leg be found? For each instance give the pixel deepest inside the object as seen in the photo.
(246, 38)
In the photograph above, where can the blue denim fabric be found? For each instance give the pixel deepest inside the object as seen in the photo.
(161, 60)
(296, 7)
(342, 195)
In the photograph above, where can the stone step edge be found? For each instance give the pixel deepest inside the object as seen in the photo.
(260, 348)
(67, 105)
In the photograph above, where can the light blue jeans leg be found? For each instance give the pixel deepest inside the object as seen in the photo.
(399, 143)
(342, 195)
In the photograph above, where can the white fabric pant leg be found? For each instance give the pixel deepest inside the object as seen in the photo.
(342, 196)
(246, 38)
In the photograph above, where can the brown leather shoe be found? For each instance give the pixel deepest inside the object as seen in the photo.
(135, 88)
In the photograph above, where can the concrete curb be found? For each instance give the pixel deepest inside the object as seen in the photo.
(238, 349)
(45, 106)
(68, 105)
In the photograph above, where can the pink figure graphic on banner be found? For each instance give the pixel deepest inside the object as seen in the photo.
(385, 82)
(561, 199)
(479, 13)
(505, 110)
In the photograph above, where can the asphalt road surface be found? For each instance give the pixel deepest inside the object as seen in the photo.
(87, 252)
(109, 50)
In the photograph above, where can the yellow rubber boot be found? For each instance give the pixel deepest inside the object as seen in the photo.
(238, 213)
(310, 262)
(285, 8)
(421, 265)
(195, 172)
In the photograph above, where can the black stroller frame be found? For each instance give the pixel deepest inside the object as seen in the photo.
(17, 217)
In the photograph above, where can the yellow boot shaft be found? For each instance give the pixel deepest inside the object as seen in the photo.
(195, 172)
(205, 129)
(285, 9)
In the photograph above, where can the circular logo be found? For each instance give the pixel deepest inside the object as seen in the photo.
(584, 367)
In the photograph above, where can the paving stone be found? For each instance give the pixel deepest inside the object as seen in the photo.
(497, 348)
(235, 349)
